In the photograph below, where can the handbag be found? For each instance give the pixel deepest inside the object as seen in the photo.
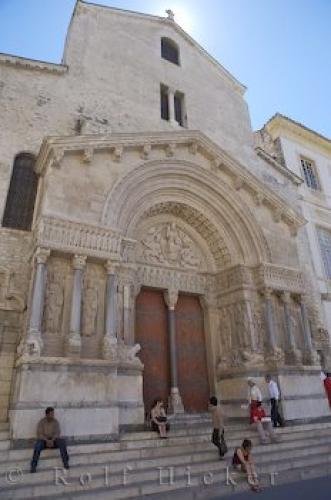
(223, 445)
(161, 419)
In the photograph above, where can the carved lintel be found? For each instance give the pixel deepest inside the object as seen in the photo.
(42, 255)
(238, 183)
(79, 261)
(58, 155)
(170, 150)
(193, 148)
(88, 155)
(146, 151)
(171, 297)
(118, 152)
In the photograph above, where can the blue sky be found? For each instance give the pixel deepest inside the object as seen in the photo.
(280, 49)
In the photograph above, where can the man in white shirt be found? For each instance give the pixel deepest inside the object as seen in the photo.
(274, 398)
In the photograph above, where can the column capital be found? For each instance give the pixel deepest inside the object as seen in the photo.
(42, 255)
(286, 297)
(171, 297)
(266, 292)
(79, 262)
(111, 267)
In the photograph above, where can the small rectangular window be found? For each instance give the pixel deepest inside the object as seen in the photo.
(310, 174)
(179, 108)
(164, 97)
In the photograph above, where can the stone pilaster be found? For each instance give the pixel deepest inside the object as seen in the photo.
(73, 343)
(175, 400)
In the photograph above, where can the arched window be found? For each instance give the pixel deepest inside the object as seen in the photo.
(21, 195)
(169, 50)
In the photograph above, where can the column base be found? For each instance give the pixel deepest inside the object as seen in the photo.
(31, 345)
(109, 348)
(73, 345)
(175, 404)
(310, 357)
(275, 357)
(293, 357)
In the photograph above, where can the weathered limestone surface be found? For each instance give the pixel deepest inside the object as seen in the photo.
(127, 200)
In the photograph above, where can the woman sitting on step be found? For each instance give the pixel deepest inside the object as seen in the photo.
(242, 460)
(159, 418)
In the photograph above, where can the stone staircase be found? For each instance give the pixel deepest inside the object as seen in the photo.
(131, 467)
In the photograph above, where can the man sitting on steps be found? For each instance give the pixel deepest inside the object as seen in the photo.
(48, 436)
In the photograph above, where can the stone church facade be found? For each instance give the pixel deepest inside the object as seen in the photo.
(162, 255)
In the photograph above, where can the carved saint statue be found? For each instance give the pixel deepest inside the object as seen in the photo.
(53, 307)
(90, 309)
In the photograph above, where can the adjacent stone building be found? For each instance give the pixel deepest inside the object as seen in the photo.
(148, 246)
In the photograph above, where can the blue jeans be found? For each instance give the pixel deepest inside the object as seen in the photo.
(41, 445)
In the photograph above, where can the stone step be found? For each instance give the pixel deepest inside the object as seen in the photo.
(4, 435)
(173, 454)
(218, 489)
(235, 431)
(153, 446)
(4, 445)
(147, 482)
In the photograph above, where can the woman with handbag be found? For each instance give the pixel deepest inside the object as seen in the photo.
(217, 437)
(159, 418)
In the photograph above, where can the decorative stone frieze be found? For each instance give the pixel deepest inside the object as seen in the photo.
(74, 237)
(161, 278)
(279, 278)
(53, 150)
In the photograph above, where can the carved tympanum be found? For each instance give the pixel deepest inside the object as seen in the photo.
(167, 244)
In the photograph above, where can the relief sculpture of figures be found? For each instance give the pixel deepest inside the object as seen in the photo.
(53, 302)
(169, 245)
(90, 310)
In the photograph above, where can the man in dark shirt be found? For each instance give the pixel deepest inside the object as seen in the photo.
(48, 436)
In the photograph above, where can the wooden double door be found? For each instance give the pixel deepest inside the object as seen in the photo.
(152, 335)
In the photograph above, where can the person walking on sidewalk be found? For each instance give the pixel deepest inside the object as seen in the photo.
(217, 437)
(274, 400)
(48, 436)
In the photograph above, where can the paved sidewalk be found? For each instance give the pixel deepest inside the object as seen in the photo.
(313, 489)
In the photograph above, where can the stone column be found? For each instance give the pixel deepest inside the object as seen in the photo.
(34, 342)
(73, 344)
(110, 336)
(171, 102)
(293, 354)
(175, 400)
(310, 354)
